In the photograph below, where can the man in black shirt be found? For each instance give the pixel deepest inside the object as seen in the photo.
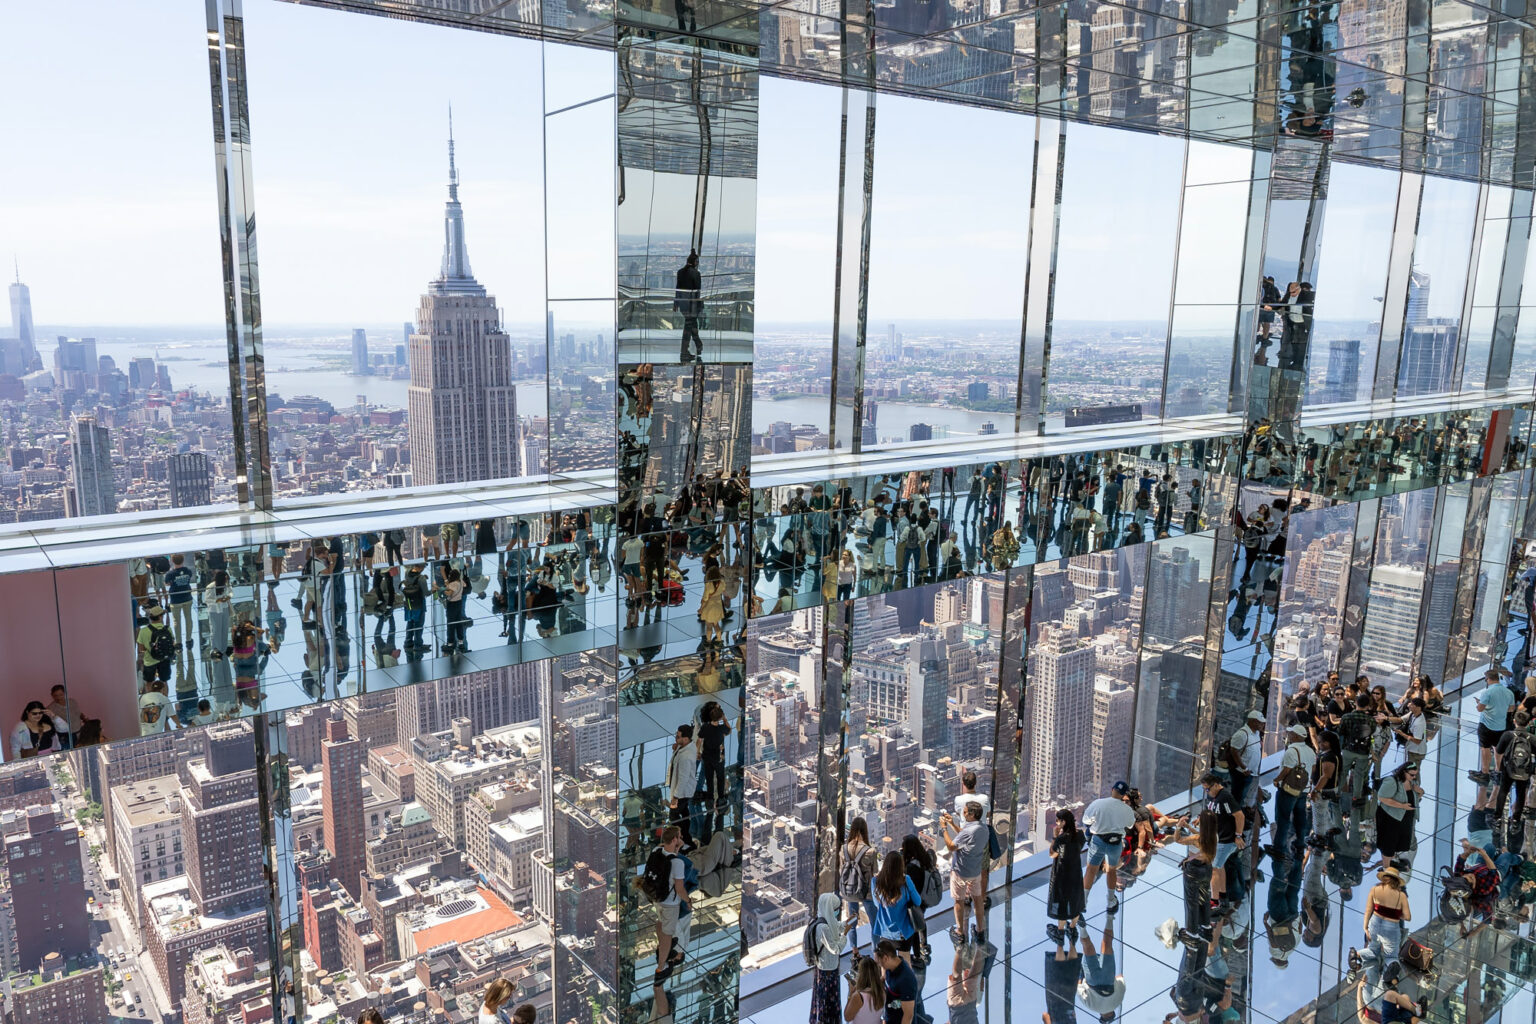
(688, 300)
(713, 729)
(900, 984)
(1230, 826)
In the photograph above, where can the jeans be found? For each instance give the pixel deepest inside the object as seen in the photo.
(1386, 936)
(1325, 814)
(683, 818)
(1353, 771)
(851, 909)
(414, 618)
(1290, 817)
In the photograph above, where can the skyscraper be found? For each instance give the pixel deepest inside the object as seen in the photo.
(360, 365)
(91, 468)
(191, 479)
(463, 407)
(221, 822)
(21, 320)
(43, 862)
(1342, 382)
(341, 794)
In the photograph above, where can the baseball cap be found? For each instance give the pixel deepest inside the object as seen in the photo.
(1299, 731)
(1121, 788)
(1255, 715)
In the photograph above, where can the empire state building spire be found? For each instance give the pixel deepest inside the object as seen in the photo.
(456, 277)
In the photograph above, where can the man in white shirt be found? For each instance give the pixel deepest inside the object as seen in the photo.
(1247, 742)
(682, 780)
(1102, 988)
(1295, 779)
(1411, 730)
(674, 919)
(1107, 820)
(968, 795)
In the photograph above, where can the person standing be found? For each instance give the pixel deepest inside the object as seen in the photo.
(1297, 766)
(1387, 914)
(901, 989)
(413, 593)
(682, 780)
(1493, 706)
(1102, 988)
(1065, 900)
(1107, 820)
(1230, 826)
(1356, 728)
(1397, 809)
(855, 876)
(967, 845)
(896, 901)
(1325, 787)
(826, 990)
(688, 300)
(156, 648)
(178, 586)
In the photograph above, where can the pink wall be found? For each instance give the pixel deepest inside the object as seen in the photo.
(92, 654)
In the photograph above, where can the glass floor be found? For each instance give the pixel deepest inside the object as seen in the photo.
(1483, 968)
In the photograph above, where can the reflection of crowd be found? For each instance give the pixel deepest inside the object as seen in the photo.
(903, 534)
(209, 626)
(57, 725)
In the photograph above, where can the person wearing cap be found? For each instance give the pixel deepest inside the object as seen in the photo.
(1102, 988)
(1230, 825)
(1493, 706)
(1297, 765)
(1107, 820)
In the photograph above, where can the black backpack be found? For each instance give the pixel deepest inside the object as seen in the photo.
(160, 564)
(162, 647)
(1455, 896)
(657, 879)
(810, 947)
(1355, 730)
(1517, 763)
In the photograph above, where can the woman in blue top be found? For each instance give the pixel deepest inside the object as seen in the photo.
(895, 899)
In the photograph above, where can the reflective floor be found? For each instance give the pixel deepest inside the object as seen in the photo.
(1481, 963)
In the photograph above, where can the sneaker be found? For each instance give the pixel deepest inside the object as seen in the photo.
(1355, 961)
(1052, 932)
(1113, 903)
(958, 936)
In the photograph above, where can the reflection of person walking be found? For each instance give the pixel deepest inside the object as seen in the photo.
(690, 284)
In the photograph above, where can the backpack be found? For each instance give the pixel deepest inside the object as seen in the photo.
(1517, 763)
(994, 843)
(1355, 729)
(161, 646)
(160, 564)
(657, 878)
(810, 942)
(851, 881)
(1143, 500)
(933, 889)
(1295, 778)
(1455, 896)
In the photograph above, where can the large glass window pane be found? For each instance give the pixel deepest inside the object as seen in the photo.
(799, 140)
(1351, 275)
(946, 270)
(402, 284)
(114, 378)
(1114, 273)
(1432, 328)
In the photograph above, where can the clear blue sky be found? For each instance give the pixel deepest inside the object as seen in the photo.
(107, 193)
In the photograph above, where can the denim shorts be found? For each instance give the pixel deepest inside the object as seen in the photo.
(1099, 969)
(1101, 851)
(1223, 851)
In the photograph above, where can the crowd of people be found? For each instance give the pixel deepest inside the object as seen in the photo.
(920, 528)
(209, 625)
(1338, 799)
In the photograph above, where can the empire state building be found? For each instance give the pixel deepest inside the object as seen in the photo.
(463, 406)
